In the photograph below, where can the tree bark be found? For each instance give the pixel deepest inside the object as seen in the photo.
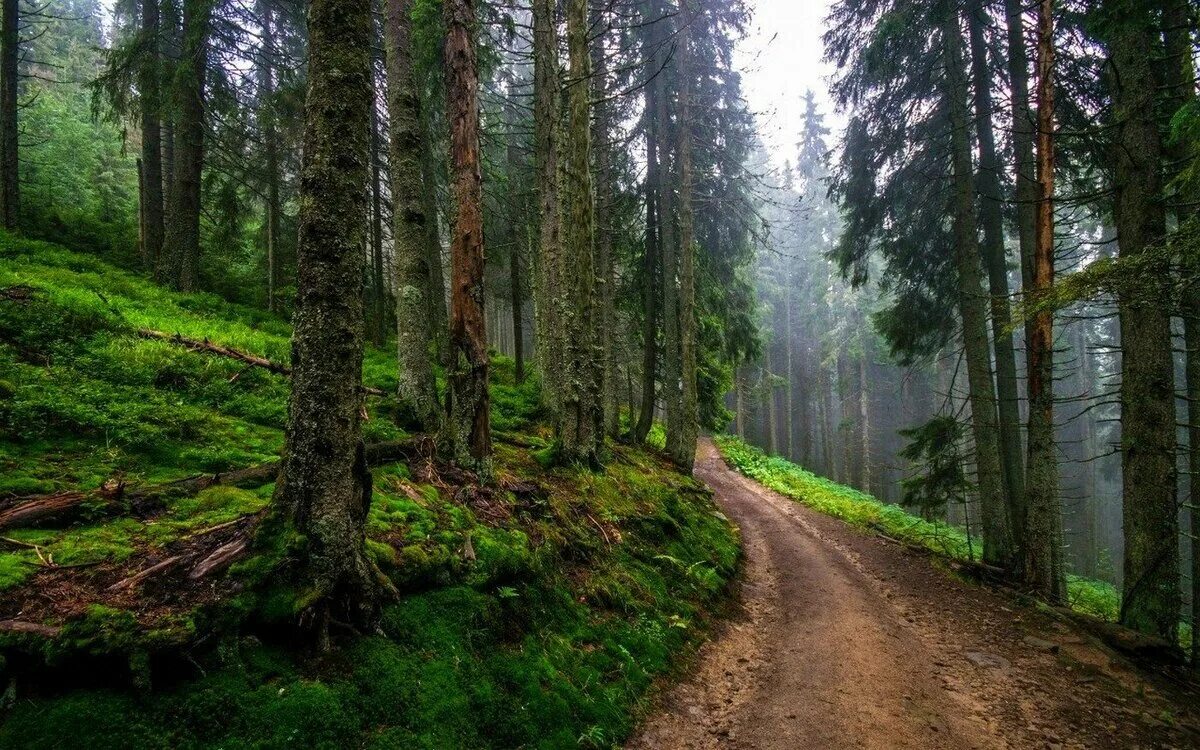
(324, 489)
(651, 264)
(151, 153)
(1179, 22)
(1151, 599)
(996, 264)
(10, 168)
(270, 134)
(997, 534)
(579, 411)
(1042, 548)
(685, 450)
(672, 395)
(517, 236)
(414, 297)
(606, 329)
(181, 239)
(470, 430)
(379, 295)
(548, 337)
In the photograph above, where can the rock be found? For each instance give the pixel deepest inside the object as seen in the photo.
(1041, 644)
(986, 660)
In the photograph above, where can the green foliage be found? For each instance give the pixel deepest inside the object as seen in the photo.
(935, 447)
(525, 621)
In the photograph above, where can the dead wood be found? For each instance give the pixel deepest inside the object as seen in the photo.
(114, 496)
(222, 557)
(251, 360)
(31, 628)
(136, 578)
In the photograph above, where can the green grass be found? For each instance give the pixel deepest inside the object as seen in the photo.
(1095, 598)
(550, 635)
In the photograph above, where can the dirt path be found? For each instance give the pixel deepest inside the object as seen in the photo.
(850, 641)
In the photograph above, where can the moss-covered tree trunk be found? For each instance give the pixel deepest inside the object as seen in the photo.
(606, 328)
(547, 292)
(380, 299)
(651, 270)
(685, 446)
(1179, 23)
(10, 81)
(414, 297)
(470, 430)
(181, 239)
(151, 199)
(579, 414)
(324, 489)
(270, 136)
(996, 264)
(1151, 597)
(972, 308)
(1042, 547)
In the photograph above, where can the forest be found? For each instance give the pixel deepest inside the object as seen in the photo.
(599, 373)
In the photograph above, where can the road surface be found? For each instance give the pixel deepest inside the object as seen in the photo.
(847, 640)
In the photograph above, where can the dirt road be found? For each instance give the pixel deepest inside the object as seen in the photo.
(847, 640)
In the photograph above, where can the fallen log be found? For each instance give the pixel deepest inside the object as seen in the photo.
(114, 496)
(251, 360)
(31, 628)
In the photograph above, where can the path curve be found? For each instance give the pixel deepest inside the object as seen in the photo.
(847, 640)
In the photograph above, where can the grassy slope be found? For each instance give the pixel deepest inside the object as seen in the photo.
(535, 621)
(1095, 598)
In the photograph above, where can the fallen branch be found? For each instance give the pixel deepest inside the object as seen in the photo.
(115, 496)
(32, 628)
(221, 558)
(136, 578)
(251, 360)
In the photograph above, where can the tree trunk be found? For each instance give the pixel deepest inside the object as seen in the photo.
(997, 535)
(996, 263)
(324, 490)
(671, 354)
(579, 410)
(410, 224)
(1179, 21)
(379, 296)
(151, 154)
(10, 79)
(789, 372)
(518, 234)
(606, 330)
(1151, 599)
(651, 264)
(1042, 547)
(470, 435)
(548, 339)
(271, 148)
(864, 420)
(685, 451)
(181, 239)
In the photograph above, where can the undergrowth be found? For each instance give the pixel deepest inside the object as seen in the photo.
(538, 620)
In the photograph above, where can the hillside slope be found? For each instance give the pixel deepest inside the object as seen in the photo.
(536, 613)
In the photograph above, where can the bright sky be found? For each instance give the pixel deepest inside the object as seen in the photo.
(779, 59)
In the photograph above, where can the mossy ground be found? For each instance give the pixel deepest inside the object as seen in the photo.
(1096, 598)
(537, 616)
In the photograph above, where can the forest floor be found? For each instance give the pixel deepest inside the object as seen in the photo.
(849, 640)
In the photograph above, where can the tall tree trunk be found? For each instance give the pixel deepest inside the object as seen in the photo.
(789, 372)
(579, 410)
(606, 330)
(518, 235)
(1042, 546)
(1151, 599)
(685, 451)
(651, 263)
(1179, 23)
(379, 301)
(410, 223)
(10, 79)
(825, 405)
(181, 240)
(767, 389)
(439, 321)
(548, 338)
(997, 534)
(324, 489)
(672, 364)
(470, 430)
(864, 420)
(151, 154)
(270, 134)
(988, 185)
(739, 413)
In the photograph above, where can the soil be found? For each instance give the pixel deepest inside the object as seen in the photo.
(849, 640)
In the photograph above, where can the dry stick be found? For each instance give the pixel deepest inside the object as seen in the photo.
(136, 578)
(251, 360)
